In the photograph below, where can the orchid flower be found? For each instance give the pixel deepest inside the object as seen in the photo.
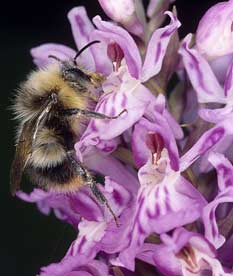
(183, 253)
(149, 165)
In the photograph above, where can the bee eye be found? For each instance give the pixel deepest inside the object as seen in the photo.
(75, 75)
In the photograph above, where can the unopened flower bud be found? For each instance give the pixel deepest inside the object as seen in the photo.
(129, 13)
(214, 37)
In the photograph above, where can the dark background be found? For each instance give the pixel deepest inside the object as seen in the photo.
(30, 240)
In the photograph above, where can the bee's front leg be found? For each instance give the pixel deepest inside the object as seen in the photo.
(89, 114)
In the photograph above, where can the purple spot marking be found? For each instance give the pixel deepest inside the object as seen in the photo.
(140, 198)
(228, 183)
(112, 113)
(223, 170)
(158, 52)
(117, 197)
(129, 236)
(83, 240)
(157, 210)
(211, 215)
(108, 149)
(123, 101)
(173, 158)
(166, 191)
(104, 107)
(150, 215)
(167, 33)
(114, 97)
(102, 100)
(81, 25)
(167, 204)
(212, 139)
(93, 126)
(143, 173)
(213, 230)
(141, 230)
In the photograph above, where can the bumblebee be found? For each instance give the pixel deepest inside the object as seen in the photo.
(53, 107)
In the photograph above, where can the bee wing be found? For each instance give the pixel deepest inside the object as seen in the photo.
(22, 155)
(24, 147)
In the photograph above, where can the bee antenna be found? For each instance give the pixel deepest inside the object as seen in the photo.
(84, 48)
(54, 57)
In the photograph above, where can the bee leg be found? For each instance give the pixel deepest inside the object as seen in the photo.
(89, 114)
(100, 196)
(89, 180)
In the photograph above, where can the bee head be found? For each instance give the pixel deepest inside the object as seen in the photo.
(72, 73)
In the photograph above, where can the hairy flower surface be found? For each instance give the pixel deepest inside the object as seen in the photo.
(172, 211)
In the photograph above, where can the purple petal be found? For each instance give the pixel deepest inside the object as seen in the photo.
(216, 115)
(103, 64)
(85, 205)
(206, 142)
(46, 201)
(161, 199)
(112, 33)
(200, 74)
(175, 127)
(105, 235)
(158, 105)
(40, 54)
(209, 218)
(154, 254)
(224, 170)
(224, 146)
(157, 47)
(225, 255)
(140, 150)
(184, 251)
(220, 65)
(129, 95)
(225, 183)
(73, 266)
(81, 28)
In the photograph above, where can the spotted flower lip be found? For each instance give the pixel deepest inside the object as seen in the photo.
(216, 22)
